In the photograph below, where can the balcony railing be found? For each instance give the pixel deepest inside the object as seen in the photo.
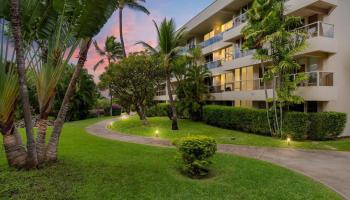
(316, 78)
(213, 64)
(241, 19)
(318, 29)
(215, 39)
(241, 53)
(215, 89)
(161, 93)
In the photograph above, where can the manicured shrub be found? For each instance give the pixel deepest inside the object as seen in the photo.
(158, 110)
(195, 153)
(326, 125)
(296, 125)
(245, 119)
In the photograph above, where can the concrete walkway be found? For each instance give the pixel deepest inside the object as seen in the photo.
(328, 167)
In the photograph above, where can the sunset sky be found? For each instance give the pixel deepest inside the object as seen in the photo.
(138, 26)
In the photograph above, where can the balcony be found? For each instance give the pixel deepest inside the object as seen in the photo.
(213, 64)
(243, 53)
(237, 26)
(161, 93)
(215, 89)
(317, 29)
(213, 40)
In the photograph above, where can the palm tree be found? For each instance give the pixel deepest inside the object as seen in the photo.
(134, 5)
(32, 160)
(95, 14)
(169, 46)
(112, 51)
(15, 152)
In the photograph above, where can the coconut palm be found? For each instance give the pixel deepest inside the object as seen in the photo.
(169, 46)
(134, 5)
(112, 51)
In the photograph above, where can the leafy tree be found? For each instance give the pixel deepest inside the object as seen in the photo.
(169, 46)
(134, 81)
(84, 98)
(271, 33)
(134, 5)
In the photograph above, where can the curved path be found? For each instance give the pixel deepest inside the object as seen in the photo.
(328, 167)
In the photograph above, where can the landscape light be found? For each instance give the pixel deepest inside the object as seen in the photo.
(157, 133)
(289, 140)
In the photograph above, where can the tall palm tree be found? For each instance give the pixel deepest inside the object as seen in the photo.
(169, 46)
(112, 51)
(94, 14)
(32, 160)
(134, 5)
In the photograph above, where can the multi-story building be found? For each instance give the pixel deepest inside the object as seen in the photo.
(237, 76)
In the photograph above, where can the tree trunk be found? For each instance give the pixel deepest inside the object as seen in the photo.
(51, 152)
(15, 152)
(32, 160)
(266, 98)
(121, 31)
(111, 102)
(174, 125)
(143, 115)
(41, 142)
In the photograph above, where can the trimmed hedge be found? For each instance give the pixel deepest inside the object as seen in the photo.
(326, 125)
(298, 125)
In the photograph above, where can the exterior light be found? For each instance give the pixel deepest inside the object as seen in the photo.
(288, 140)
(157, 133)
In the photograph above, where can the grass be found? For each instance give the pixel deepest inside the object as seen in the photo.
(133, 126)
(94, 168)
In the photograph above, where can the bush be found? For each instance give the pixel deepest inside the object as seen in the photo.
(158, 110)
(195, 152)
(296, 125)
(244, 119)
(326, 125)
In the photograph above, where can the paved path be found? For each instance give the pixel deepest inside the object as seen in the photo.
(328, 167)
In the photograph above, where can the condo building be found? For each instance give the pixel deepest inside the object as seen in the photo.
(237, 78)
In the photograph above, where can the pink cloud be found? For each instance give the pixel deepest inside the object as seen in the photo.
(135, 28)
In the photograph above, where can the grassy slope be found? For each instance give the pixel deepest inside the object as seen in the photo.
(95, 168)
(134, 126)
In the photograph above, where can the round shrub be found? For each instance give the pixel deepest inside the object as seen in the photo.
(326, 125)
(195, 152)
(158, 110)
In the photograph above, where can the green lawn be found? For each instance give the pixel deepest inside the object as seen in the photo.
(134, 126)
(96, 168)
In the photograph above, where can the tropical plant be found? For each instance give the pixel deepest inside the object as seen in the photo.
(134, 80)
(168, 49)
(112, 51)
(192, 91)
(271, 34)
(134, 5)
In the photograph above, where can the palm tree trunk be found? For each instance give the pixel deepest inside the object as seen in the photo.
(121, 31)
(15, 152)
(17, 35)
(267, 107)
(111, 101)
(41, 143)
(51, 152)
(174, 125)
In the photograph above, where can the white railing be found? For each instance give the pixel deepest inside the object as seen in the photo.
(317, 29)
(316, 78)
